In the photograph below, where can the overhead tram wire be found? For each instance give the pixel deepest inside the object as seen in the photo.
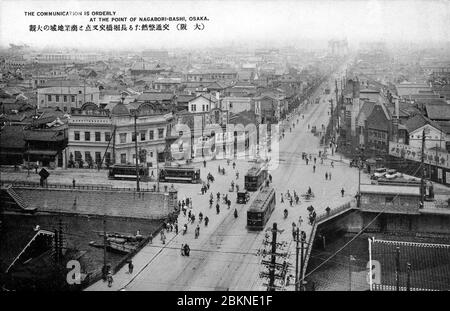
(353, 238)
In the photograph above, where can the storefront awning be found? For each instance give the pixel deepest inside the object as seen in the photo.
(42, 152)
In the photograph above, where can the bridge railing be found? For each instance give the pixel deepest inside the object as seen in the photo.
(320, 218)
(66, 186)
(335, 211)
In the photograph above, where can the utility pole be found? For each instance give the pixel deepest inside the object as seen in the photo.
(361, 152)
(60, 241)
(408, 280)
(332, 120)
(422, 190)
(296, 258)
(302, 263)
(136, 151)
(397, 268)
(157, 172)
(350, 273)
(105, 272)
(273, 258)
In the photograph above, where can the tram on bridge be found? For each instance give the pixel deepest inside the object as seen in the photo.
(261, 209)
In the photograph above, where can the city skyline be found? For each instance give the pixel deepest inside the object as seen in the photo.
(297, 23)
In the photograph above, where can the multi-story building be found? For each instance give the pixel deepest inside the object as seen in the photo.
(65, 58)
(99, 135)
(211, 74)
(67, 97)
(237, 104)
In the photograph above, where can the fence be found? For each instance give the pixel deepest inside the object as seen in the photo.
(65, 186)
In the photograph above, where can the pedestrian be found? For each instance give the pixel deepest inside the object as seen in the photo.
(314, 168)
(218, 169)
(229, 203)
(197, 231)
(187, 250)
(73, 182)
(342, 192)
(217, 208)
(235, 213)
(206, 221)
(189, 214)
(332, 164)
(300, 221)
(326, 176)
(130, 267)
(307, 161)
(315, 159)
(163, 237)
(176, 228)
(182, 249)
(237, 188)
(237, 175)
(110, 279)
(329, 175)
(187, 201)
(234, 165)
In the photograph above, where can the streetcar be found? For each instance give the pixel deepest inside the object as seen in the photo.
(255, 178)
(179, 174)
(261, 209)
(128, 172)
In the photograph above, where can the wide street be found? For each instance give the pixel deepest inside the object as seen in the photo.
(224, 257)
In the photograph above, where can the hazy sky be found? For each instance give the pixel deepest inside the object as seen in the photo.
(285, 22)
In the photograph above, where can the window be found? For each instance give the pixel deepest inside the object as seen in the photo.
(160, 133)
(77, 135)
(107, 136)
(77, 156)
(142, 136)
(87, 156)
(151, 154)
(97, 136)
(65, 98)
(98, 157)
(92, 97)
(203, 107)
(87, 136)
(57, 98)
(123, 158)
(72, 98)
(107, 158)
(49, 97)
(133, 136)
(123, 138)
(151, 135)
(389, 199)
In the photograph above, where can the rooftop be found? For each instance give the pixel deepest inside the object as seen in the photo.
(392, 190)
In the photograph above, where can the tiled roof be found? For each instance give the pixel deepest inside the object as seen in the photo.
(12, 137)
(153, 96)
(438, 111)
